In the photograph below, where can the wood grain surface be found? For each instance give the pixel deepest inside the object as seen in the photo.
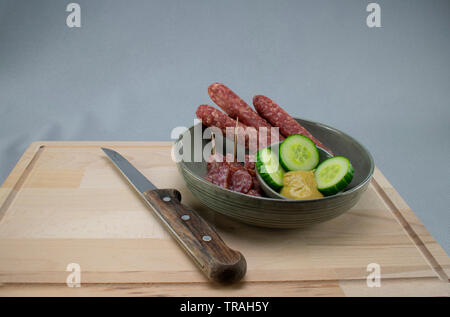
(65, 203)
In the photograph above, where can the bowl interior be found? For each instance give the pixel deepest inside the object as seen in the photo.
(198, 139)
(323, 155)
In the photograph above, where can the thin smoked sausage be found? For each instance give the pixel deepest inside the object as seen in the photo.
(235, 107)
(278, 117)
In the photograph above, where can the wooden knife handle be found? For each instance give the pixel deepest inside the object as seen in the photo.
(197, 237)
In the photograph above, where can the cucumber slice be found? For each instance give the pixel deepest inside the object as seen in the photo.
(269, 168)
(333, 175)
(298, 153)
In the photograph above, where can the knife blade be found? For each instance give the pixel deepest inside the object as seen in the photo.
(202, 243)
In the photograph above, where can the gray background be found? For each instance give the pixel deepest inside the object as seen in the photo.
(137, 69)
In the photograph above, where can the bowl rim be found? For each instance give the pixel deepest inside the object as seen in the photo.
(292, 201)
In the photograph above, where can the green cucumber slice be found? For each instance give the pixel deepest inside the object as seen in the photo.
(269, 168)
(298, 153)
(333, 175)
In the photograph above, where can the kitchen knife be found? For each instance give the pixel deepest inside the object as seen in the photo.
(217, 261)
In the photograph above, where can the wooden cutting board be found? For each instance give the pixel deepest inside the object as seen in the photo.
(65, 203)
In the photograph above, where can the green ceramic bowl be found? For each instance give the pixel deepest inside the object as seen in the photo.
(276, 212)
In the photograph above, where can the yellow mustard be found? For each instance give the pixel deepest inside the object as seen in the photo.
(300, 185)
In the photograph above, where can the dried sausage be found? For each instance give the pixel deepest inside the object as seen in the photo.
(212, 117)
(235, 107)
(254, 192)
(225, 172)
(241, 181)
(249, 161)
(219, 175)
(277, 116)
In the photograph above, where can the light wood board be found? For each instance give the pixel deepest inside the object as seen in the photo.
(65, 203)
